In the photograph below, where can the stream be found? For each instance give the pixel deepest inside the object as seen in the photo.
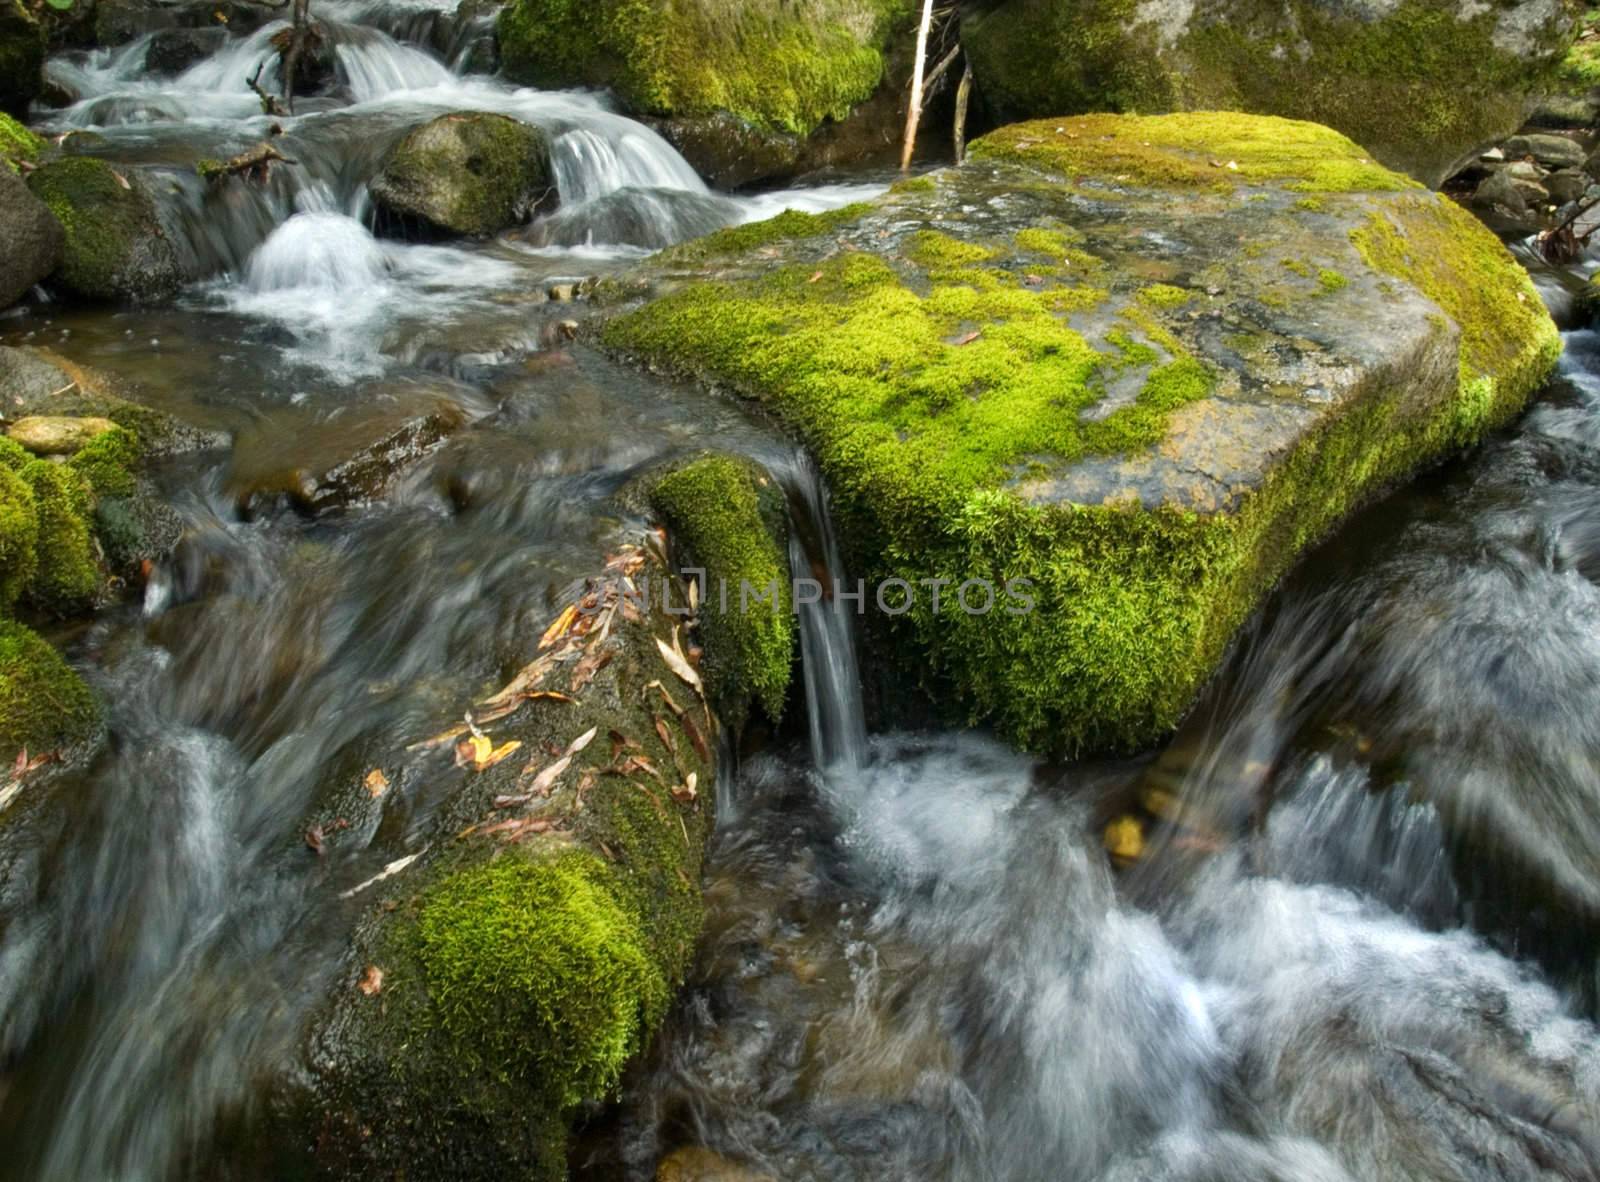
(1359, 939)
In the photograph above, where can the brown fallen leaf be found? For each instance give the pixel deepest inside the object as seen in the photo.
(557, 630)
(516, 828)
(968, 337)
(815, 276)
(584, 671)
(527, 678)
(545, 780)
(371, 982)
(552, 696)
(679, 664)
(686, 791)
(696, 739)
(314, 840)
(440, 739)
(619, 741)
(631, 612)
(667, 740)
(581, 741)
(376, 783)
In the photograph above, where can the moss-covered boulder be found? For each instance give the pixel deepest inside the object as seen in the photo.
(1421, 83)
(467, 173)
(508, 971)
(1099, 387)
(44, 705)
(727, 515)
(782, 66)
(22, 53)
(115, 246)
(17, 143)
(19, 536)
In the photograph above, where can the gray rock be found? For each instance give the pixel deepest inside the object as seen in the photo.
(1523, 170)
(31, 240)
(1500, 189)
(1567, 185)
(468, 173)
(172, 51)
(1553, 151)
(115, 246)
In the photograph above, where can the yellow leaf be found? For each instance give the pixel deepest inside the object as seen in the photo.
(559, 629)
(376, 783)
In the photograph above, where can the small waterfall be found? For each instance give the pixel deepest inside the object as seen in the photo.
(834, 708)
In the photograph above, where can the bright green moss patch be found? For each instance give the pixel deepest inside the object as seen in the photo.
(1580, 69)
(17, 142)
(1507, 339)
(107, 461)
(19, 536)
(785, 65)
(43, 703)
(67, 577)
(1330, 280)
(536, 970)
(788, 225)
(1165, 296)
(1204, 150)
(713, 508)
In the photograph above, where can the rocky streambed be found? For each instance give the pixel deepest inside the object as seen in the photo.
(451, 542)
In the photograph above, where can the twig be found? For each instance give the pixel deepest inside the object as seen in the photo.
(937, 73)
(914, 107)
(269, 102)
(1559, 244)
(963, 96)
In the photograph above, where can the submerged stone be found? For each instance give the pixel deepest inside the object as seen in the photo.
(468, 173)
(1099, 387)
(1421, 83)
(115, 246)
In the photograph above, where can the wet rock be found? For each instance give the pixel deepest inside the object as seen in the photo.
(56, 435)
(470, 173)
(1351, 66)
(696, 1164)
(317, 68)
(117, 22)
(1552, 151)
(22, 53)
(1500, 189)
(1153, 466)
(31, 240)
(767, 73)
(172, 51)
(36, 381)
(115, 247)
(1569, 184)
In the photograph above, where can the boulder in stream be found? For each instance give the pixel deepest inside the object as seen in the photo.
(1422, 84)
(507, 968)
(1098, 388)
(470, 173)
(115, 246)
(31, 240)
(22, 53)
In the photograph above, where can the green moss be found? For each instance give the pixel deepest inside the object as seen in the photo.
(1205, 150)
(785, 66)
(107, 462)
(1054, 242)
(470, 172)
(19, 535)
(536, 970)
(67, 578)
(1507, 339)
(1330, 280)
(916, 184)
(1299, 266)
(111, 230)
(13, 455)
(788, 225)
(1311, 205)
(713, 507)
(43, 703)
(17, 142)
(1580, 69)
(1165, 296)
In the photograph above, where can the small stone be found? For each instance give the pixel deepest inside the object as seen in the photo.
(563, 292)
(1523, 170)
(56, 435)
(1567, 185)
(1493, 155)
(1553, 151)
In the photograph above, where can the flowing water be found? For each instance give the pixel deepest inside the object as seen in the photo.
(1359, 942)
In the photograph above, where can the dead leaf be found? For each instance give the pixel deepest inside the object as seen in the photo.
(557, 630)
(506, 802)
(122, 180)
(667, 740)
(545, 780)
(479, 752)
(582, 741)
(696, 739)
(630, 612)
(516, 828)
(440, 739)
(685, 791)
(553, 696)
(314, 839)
(969, 337)
(815, 276)
(371, 982)
(679, 664)
(593, 661)
(376, 783)
(388, 871)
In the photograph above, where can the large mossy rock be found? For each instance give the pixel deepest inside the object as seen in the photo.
(466, 173)
(22, 53)
(774, 67)
(1140, 362)
(507, 974)
(31, 240)
(1420, 83)
(116, 248)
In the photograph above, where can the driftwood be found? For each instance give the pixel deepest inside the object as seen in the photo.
(252, 164)
(963, 97)
(914, 107)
